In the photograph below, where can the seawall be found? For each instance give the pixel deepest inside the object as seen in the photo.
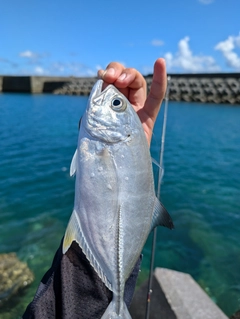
(212, 88)
(43, 84)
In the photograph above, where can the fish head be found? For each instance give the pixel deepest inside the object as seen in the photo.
(109, 116)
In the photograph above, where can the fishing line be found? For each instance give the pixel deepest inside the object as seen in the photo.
(160, 176)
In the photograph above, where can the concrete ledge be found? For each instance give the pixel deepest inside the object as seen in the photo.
(175, 295)
(186, 297)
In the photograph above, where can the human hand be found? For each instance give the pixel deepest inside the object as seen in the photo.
(132, 84)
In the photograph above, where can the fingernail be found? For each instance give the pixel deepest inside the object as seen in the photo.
(122, 76)
(110, 71)
(100, 74)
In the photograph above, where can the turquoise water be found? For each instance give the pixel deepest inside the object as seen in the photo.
(201, 190)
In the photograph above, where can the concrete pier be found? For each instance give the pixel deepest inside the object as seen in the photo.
(206, 88)
(175, 296)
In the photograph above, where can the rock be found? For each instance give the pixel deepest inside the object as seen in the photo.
(236, 315)
(14, 276)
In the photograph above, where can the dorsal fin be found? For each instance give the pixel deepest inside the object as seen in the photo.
(160, 216)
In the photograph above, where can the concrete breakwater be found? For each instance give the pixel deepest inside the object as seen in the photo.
(206, 88)
(212, 88)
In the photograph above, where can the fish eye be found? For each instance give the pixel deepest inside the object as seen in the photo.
(118, 104)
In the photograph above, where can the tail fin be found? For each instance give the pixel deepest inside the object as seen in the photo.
(110, 312)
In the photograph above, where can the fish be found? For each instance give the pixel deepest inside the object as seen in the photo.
(115, 206)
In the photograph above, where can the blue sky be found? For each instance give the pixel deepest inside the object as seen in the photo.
(77, 37)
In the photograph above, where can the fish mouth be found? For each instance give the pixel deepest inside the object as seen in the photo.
(96, 90)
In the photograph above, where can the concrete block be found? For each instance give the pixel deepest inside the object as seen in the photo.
(186, 297)
(47, 84)
(159, 306)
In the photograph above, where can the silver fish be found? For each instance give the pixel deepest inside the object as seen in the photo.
(115, 206)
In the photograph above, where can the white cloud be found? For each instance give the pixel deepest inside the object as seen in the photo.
(227, 48)
(58, 67)
(157, 43)
(98, 67)
(206, 1)
(33, 56)
(185, 60)
(39, 70)
(90, 72)
(28, 54)
(40, 64)
(72, 69)
(237, 40)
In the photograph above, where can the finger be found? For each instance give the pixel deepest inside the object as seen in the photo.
(134, 82)
(129, 81)
(149, 112)
(157, 90)
(111, 73)
(130, 78)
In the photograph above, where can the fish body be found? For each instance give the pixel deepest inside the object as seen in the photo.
(115, 207)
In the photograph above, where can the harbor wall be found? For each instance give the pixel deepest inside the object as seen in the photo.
(205, 88)
(31, 84)
(212, 88)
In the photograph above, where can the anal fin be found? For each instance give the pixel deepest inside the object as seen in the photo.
(74, 233)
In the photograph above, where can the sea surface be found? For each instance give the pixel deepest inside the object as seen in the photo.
(200, 189)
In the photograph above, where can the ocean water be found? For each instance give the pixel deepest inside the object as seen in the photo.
(200, 189)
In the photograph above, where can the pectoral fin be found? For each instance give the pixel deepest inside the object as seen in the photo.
(160, 216)
(73, 167)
